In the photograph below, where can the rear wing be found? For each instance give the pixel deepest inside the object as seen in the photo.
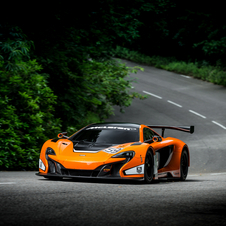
(187, 129)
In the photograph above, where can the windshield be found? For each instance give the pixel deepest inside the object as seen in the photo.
(115, 136)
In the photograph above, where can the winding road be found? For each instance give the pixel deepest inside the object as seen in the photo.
(173, 99)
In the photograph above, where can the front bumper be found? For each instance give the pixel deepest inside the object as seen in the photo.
(109, 170)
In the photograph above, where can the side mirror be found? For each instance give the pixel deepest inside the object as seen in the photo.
(155, 139)
(62, 135)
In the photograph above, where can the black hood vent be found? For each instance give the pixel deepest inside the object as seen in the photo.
(83, 146)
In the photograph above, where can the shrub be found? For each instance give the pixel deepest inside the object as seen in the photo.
(26, 116)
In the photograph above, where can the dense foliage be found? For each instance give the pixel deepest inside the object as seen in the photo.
(189, 32)
(26, 116)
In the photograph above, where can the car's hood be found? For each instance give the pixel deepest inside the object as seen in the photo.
(83, 146)
(82, 154)
(65, 147)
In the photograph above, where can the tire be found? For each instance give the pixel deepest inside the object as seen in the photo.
(148, 167)
(184, 165)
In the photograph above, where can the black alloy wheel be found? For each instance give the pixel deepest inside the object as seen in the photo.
(183, 165)
(148, 167)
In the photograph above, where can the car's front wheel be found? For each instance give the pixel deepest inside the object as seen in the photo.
(149, 167)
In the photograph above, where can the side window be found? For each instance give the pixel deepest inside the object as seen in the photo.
(148, 134)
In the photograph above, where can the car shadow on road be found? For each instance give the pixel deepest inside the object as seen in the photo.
(119, 181)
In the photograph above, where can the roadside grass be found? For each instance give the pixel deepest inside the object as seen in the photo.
(213, 74)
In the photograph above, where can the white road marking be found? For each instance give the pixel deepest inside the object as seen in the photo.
(185, 76)
(197, 114)
(171, 102)
(219, 124)
(7, 183)
(151, 94)
(178, 105)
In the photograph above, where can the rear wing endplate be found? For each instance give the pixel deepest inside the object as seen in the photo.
(187, 129)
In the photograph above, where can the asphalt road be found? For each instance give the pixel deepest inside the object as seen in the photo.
(26, 199)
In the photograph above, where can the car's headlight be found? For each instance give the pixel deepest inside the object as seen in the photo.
(50, 151)
(127, 154)
(41, 165)
(112, 150)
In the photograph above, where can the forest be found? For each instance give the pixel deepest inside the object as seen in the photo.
(59, 69)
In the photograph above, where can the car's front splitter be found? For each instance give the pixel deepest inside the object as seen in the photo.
(50, 175)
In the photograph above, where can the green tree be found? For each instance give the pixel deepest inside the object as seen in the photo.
(26, 103)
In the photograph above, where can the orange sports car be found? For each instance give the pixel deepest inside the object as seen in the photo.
(116, 150)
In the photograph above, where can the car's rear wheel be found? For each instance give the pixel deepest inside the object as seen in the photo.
(184, 165)
(148, 167)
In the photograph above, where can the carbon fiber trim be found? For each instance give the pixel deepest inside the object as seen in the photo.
(83, 177)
